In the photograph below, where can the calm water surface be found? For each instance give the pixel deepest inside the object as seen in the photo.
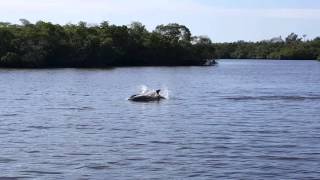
(237, 120)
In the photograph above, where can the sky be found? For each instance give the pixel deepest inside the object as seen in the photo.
(221, 20)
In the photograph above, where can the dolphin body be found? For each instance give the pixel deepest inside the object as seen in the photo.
(147, 97)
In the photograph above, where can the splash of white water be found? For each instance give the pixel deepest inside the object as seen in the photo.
(165, 92)
(146, 90)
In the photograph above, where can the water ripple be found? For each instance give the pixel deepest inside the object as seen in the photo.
(6, 160)
(97, 167)
(9, 115)
(271, 98)
(40, 127)
(41, 172)
(14, 177)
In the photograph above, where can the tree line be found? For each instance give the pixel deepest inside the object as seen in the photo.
(44, 44)
(292, 47)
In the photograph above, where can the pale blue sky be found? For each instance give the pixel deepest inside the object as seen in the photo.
(221, 20)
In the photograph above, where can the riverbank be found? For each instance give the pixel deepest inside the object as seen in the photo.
(45, 45)
(291, 48)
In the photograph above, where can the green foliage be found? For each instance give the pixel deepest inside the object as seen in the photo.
(292, 38)
(292, 48)
(44, 44)
(174, 32)
(10, 60)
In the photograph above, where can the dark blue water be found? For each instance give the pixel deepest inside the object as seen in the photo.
(237, 120)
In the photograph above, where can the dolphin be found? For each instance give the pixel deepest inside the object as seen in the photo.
(147, 97)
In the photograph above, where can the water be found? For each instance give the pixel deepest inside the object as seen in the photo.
(237, 120)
